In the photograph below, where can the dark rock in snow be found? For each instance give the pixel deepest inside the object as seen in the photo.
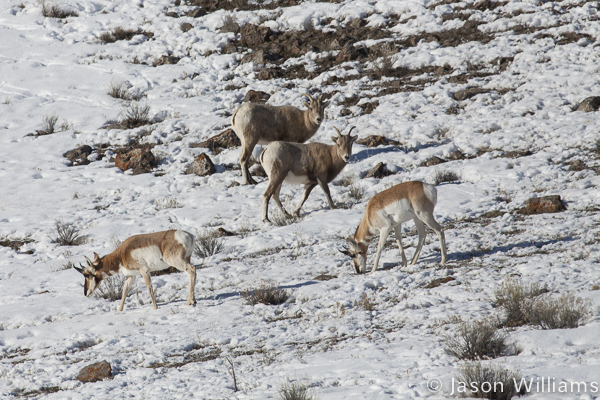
(79, 155)
(590, 104)
(201, 166)
(256, 96)
(541, 205)
(95, 372)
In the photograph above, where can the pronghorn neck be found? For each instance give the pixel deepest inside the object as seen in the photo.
(363, 234)
(109, 264)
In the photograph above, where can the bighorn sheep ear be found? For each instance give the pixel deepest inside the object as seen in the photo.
(96, 257)
(334, 139)
(354, 139)
(80, 270)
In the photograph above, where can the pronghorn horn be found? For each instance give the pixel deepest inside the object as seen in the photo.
(88, 260)
(345, 252)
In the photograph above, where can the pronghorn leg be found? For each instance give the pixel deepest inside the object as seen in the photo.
(307, 189)
(275, 181)
(398, 234)
(244, 157)
(384, 232)
(125, 291)
(323, 184)
(278, 202)
(146, 276)
(437, 228)
(421, 230)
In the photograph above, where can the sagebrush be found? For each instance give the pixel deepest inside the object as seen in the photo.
(266, 292)
(488, 382)
(475, 341)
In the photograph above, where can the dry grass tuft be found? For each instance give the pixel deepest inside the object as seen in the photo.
(445, 176)
(295, 391)
(52, 10)
(135, 115)
(365, 303)
(267, 292)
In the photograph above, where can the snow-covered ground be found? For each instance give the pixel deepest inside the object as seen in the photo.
(322, 336)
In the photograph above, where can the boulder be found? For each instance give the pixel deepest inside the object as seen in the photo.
(268, 73)
(95, 372)
(433, 161)
(197, 13)
(230, 26)
(259, 57)
(164, 60)
(577, 165)
(376, 140)
(456, 155)
(139, 160)
(541, 205)
(224, 140)
(590, 104)
(468, 93)
(376, 172)
(79, 155)
(201, 166)
(350, 53)
(256, 96)
(186, 26)
(253, 35)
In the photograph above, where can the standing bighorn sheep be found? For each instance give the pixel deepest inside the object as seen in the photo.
(261, 124)
(309, 164)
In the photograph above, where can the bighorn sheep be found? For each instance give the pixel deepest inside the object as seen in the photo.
(309, 164)
(142, 254)
(261, 124)
(388, 210)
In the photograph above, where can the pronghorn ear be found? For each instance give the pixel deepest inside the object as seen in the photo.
(351, 240)
(96, 257)
(346, 252)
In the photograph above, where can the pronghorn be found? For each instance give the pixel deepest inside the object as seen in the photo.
(388, 210)
(262, 124)
(142, 254)
(308, 164)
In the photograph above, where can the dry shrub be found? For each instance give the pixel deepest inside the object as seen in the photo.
(267, 292)
(118, 34)
(516, 299)
(364, 303)
(295, 391)
(488, 382)
(280, 219)
(476, 341)
(111, 288)
(564, 312)
(135, 115)
(357, 191)
(163, 203)
(51, 10)
(208, 243)
(49, 124)
(445, 176)
(120, 91)
(66, 234)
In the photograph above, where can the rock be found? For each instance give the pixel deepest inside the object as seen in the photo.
(350, 53)
(201, 166)
(229, 48)
(224, 140)
(268, 73)
(468, 93)
(197, 13)
(576, 165)
(432, 161)
(186, 26)
(256, 96)
(230, 26)
(253, 35)
(376, 140)
(164, 60)
(589, 105)
(172, 14)
(345, 112)
(223, 232)
(259, 57)
(139, 160)
(233, 184)
(456, 155)
(438, 281)
(258, 170)
(376, 172)
(95, 372)
(541, 205)
(79, 155)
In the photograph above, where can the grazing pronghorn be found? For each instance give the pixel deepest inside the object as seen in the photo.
(142, 254)
(388, 210)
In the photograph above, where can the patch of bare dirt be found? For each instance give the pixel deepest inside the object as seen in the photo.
(241, 5)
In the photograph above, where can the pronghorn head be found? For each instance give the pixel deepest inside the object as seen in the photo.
(344, 144)
(316, 108)
(358, 253)
(92, 274)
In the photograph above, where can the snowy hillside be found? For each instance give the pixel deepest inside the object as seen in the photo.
(394, 68)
